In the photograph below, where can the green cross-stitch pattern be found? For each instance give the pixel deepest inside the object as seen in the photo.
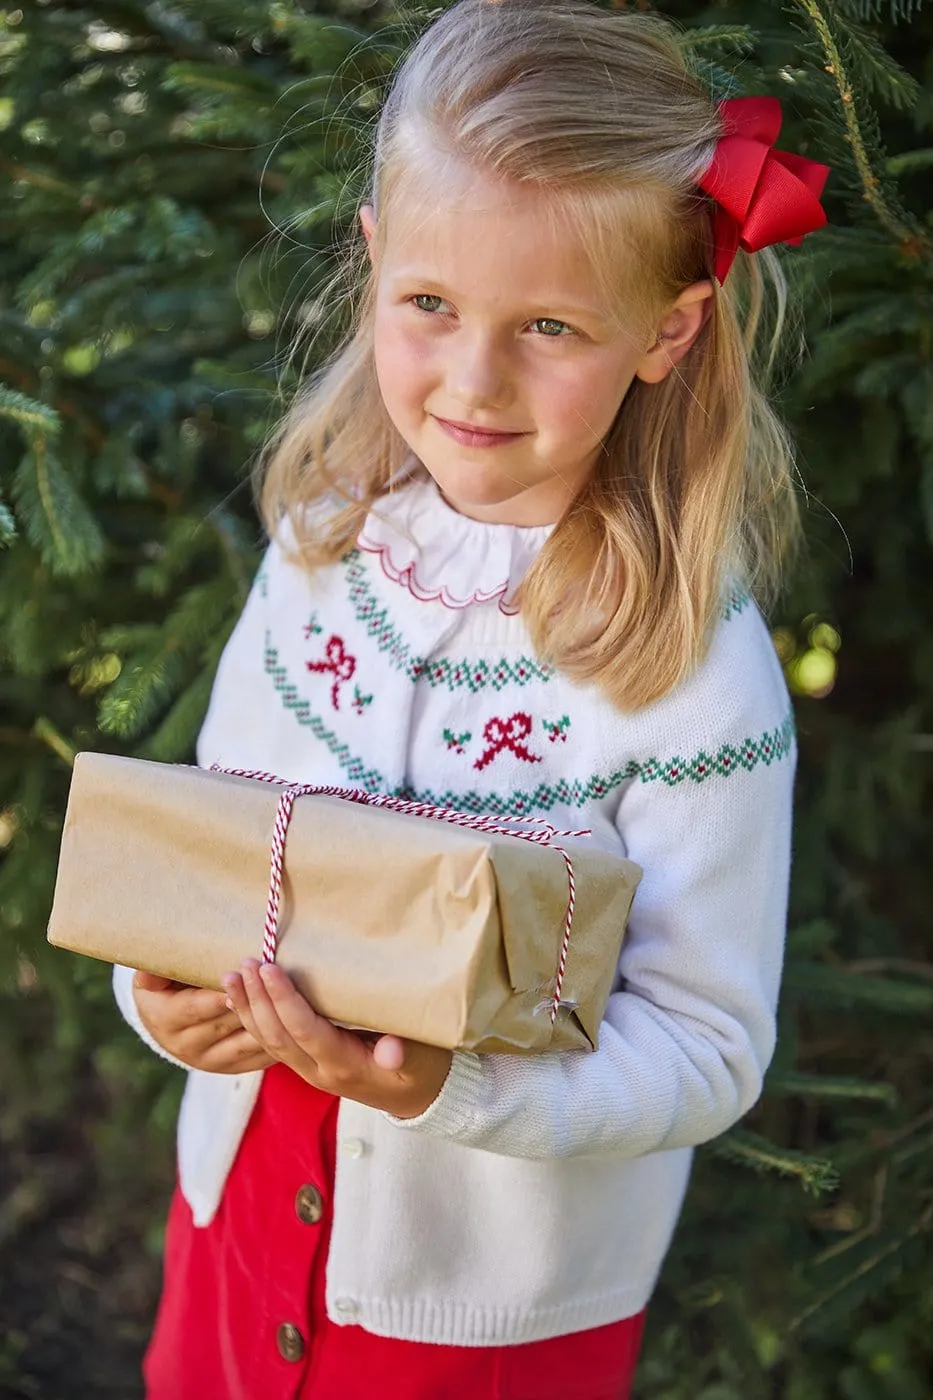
(454, 675)
(737, 601)
(768, 748)
(473, 676)
(464, 674)
(357, 773)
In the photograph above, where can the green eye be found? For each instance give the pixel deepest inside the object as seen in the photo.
(546, 325)
(425, 302)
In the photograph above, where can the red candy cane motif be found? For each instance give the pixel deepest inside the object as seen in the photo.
(543, 834)
(339, 663)
(509, 734)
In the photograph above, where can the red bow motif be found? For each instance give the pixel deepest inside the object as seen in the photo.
(763, 196)
(509, 734)
(339, 663)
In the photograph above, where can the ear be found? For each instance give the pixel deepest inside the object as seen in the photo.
(679, 328)
(368, 225)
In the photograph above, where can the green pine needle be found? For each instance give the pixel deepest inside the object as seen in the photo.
(815, 1174)
(830, 986)
(57, 521)
(722, 38)
(824, 1087)
(7, 526)
(33, 417)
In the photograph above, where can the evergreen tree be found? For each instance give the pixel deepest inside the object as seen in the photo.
(175, 176)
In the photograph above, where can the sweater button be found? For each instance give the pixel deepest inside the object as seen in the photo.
(352, 1147)
(290, 1342)
(347, 1309)
(309, 1205)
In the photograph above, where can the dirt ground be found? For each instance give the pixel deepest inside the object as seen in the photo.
(81, 1211)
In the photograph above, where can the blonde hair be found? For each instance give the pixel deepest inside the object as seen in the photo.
(693, 490)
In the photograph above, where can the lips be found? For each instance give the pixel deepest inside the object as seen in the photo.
(469, 435)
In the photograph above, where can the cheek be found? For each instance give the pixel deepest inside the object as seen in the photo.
(582, 401)
(401, 365)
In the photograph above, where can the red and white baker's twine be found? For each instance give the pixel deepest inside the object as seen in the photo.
(544, 834)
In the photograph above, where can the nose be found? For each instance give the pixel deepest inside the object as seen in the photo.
(478, 375)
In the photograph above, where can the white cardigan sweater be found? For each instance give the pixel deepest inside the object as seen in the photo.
(537, 1195)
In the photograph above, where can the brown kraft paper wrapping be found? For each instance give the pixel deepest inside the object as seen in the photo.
(389, 922)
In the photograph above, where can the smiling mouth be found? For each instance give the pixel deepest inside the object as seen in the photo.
(469, 435)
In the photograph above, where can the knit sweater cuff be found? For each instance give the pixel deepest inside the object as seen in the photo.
(456, 1105)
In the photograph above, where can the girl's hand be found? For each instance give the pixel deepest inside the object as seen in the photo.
(398, 1076)
(195, 1025)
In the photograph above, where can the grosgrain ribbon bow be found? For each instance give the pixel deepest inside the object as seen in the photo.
(762, 196)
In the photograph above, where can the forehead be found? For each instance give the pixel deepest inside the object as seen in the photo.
(484, 236)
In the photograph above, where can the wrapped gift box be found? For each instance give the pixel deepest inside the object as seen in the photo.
(389, 922)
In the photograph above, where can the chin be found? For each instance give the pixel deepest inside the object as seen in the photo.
(472, 487)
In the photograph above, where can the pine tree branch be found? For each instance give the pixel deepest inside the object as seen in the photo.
(45, 731)
(156, 26)
(796, 1083)
(748, 1149)
(25, 175)
(909, 967)
(873, 1226)
(17, 738)
(912, 240)
(872, 1264)
(59, 538)
(95, 434)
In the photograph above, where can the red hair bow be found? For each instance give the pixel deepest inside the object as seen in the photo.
(763, 196)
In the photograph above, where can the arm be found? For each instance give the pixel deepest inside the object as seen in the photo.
(686, 1040)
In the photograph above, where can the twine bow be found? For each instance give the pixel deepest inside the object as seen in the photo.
(762, 196)
(543, 834)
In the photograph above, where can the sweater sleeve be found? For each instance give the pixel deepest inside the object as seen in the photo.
(687, 1037)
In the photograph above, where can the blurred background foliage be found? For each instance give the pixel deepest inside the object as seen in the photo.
(174, 176)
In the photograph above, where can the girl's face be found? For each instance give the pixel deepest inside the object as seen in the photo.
(499, 363)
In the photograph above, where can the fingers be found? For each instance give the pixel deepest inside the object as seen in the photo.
(400, 1076)
(178, 1006)
(237, 1053)
(192, 1042)
(389, 1052)
(149, 982)
(188, 1021)
(272, 1009)
(278, 1023)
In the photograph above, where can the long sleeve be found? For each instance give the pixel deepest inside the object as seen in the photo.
(687, 1037)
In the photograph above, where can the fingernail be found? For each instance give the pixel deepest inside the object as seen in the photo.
(229, 1005)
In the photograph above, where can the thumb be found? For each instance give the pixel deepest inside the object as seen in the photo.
(389, 1052)
(149, 982)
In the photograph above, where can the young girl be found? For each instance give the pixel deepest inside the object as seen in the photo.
(515, 525)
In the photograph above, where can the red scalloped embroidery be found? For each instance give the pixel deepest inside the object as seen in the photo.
(406, 577)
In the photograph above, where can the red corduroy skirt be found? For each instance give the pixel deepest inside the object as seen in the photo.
(242, 1314)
